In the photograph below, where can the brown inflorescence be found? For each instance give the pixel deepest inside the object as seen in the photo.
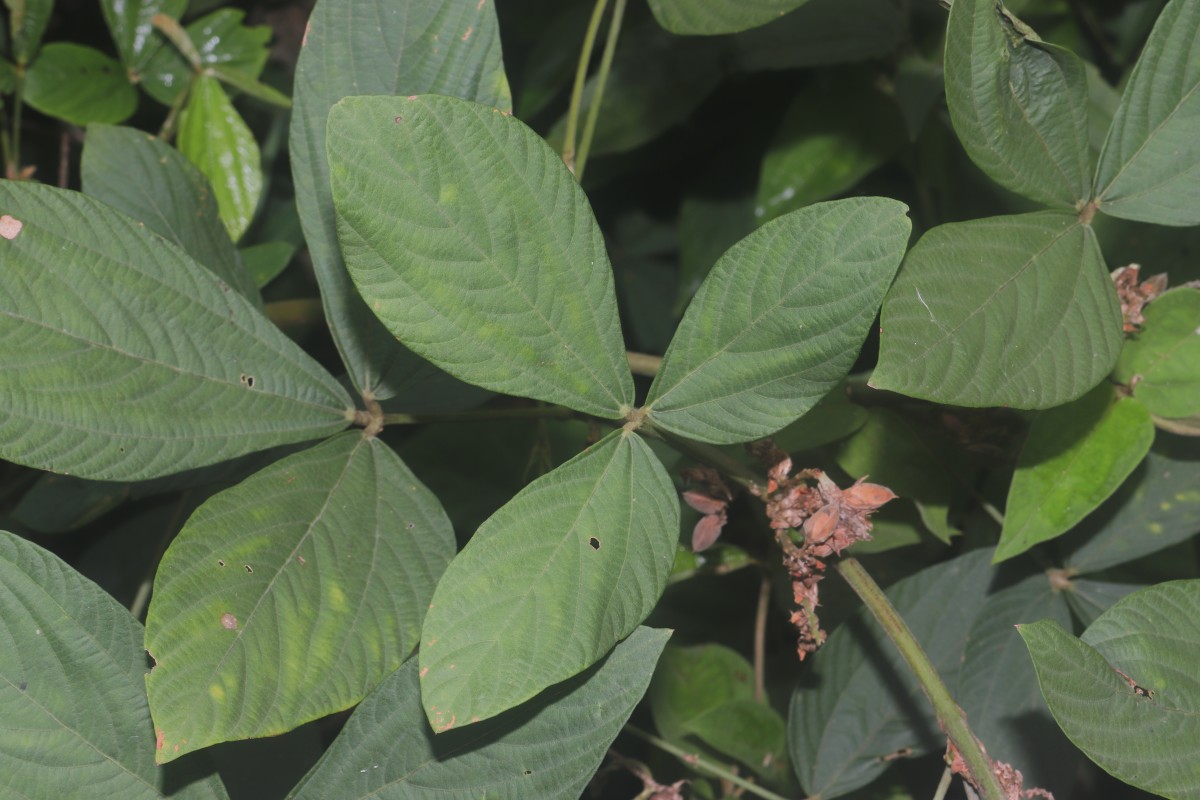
(1134, 295)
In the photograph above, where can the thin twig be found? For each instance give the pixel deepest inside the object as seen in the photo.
(760, 637)
(64, 158)
(701, 765)
(585, 58)
(643, 363)
(589, 127)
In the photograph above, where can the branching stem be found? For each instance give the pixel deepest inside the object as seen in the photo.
(701, 765)
(585, 58)
(589, 126)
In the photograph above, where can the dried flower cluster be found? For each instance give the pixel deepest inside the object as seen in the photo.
(711, 502)
(1011, 779)
(1134, 295)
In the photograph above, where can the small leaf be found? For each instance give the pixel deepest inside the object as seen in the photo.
(861, 705)
(550, 582)
(291, 595)
(548, 748)
(1150, 167)
(79, 85)
(155, 184)
(1018, 104)
(779, 321)
(127, 360)
(1075, 457)
(1162, 363)
(222, 43)
(256, 89)
(266, 260)
(1014, 310)
(711, 17)
(498, 274)
(1127, 694)
(73, 668)
(214, 137)
(134, 33)
(27, 20)
(388, 47)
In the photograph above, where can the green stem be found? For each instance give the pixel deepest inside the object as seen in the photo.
(698, 763)
(175, 33)
(643, 363)
(167, 131)
(585, 58)
(950, 716)
(589, 127)
(483, 415)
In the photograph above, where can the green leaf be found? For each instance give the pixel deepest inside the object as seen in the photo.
(831, 137)
(1089, 599)
(913, 461)
(547, 748)
(713, 217)
(79, 85)
(779, 321)
(265, 260)
(389, 47)
(1076, 456)
(27, 20)
(550, 582)
(1158, 506)
(292, 595)
(129, 21)
(499, 273)
(998, 687)
(1127, 694)
(72, 666)
(1014, 310)
(708, 692)
(710, 17)
(818, 33)
(1018, 104)
(214, 137)
(833, 418)
(223, 43)
(861, 703)
(155, 184)
(256, 89)
(127, 360)
(1150, 167)
(1162, 363)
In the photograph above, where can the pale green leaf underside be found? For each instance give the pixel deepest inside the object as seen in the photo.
(140, 175)
(1019, 106)
(1150, 166)
(385, 47)
(72, 695)
(1016, 310)
(548, 748)
(291, 595)
(475, 246)
(712, 17)
(779, 320)
(214, 137)
(864, 704)
(1075, 457)
(1162, 363)
(125, 360)
(550, 582)
(1153, 637)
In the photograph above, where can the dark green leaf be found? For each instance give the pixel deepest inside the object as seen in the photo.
(1014, 310)
(1019, 105)
(129, 21)
(1075, 457)
(779, 321)
(550, 582)
(1162, 363)
(73, 668)
(1089, 599)
(292, 595)
(547, 748)
(1150, 167)
(264, 261)
(712, 219)
(820, 32)
(155, 184)
(128, 360)
(256, 89)
(389, 47)
(710, 17)
(79, 85)
(499, 274)
(833, 418)
(60, 503)
(222, 42)
(27, 20)
(862, 704)
(1127, 694)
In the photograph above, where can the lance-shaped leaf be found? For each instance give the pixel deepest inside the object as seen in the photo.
(1018, 104)
(124, 359)
(1127, 694)
(488, 261)
(130, 23)
(547, 748)
(711, 17)
(863, 705)
(27, 20)
(1016, 310)
(223, 44)
(779, 320)
(550, 582)
(72, 688)
(152, 182)
(79, 85)
(292, 595)
(1150, 166)
(1162, 363)
(214, 137)
(389, 47)
(1075, 457)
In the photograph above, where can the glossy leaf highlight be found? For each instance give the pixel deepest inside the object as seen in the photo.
(129, 21)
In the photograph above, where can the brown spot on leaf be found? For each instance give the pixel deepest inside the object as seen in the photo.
(229, 621)
(159, 737)
(10, 227)
(424, 671)
(249, 569)
(594, 543)
(467, 35)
